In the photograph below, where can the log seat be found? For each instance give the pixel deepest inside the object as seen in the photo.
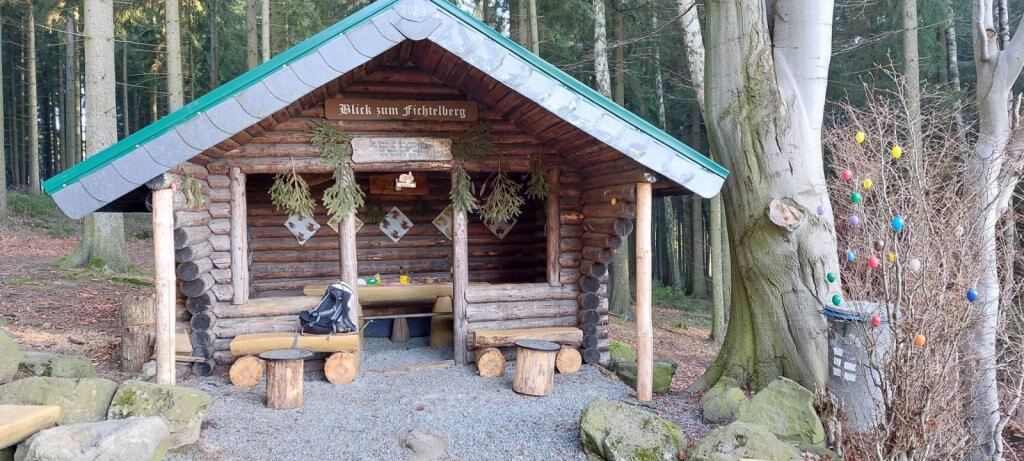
(19, 422)
(340, 366)
(490, 361)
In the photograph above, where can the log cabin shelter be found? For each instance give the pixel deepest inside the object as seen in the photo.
(405, 79)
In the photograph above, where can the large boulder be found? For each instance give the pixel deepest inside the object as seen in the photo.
(57, 366)
(618, 431)
(786, 409)
(10, 357)
(425, 446)
(80, 399)
(743, 441)
(182, 408)
(722, 403)
(132, 438)
(623, 363)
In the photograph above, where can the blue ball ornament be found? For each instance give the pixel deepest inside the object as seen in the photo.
(898, 224)
(850, 256)
(972, 295)
(821, 210)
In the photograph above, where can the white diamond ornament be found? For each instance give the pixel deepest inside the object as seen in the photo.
(502, 228)
(335, 223)
(396, 224)
(443, 222)
(302, 228)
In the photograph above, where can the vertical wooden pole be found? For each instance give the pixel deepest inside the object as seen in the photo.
(644, 328)
(349, 261)
(460, 278)
(163, 262)
(239, 238)
(552, 230)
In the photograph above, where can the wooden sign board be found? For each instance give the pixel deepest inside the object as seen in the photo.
(401, 150)
(386, 109)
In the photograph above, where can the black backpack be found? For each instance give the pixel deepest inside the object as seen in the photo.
(332, 315)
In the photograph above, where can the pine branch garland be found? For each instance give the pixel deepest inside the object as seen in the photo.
(345, 195)
(462, 191)
(539, 186)
(291, 193)
(504, 202)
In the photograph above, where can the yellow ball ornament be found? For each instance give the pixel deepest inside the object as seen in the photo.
(614, 200)
(860, 137)
(867, 184)
(897, 152)
(892, 257)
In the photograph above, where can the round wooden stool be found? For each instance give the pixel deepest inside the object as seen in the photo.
(535, 367)
(284, 377)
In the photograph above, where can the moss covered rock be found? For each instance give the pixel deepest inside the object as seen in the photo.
(618, 431)
(722, 403)
(133, 438)
(785, 409)
(741, 440)
(57, 366)
(623, 363)
(80, 399)
(10, 357)
(182, 408)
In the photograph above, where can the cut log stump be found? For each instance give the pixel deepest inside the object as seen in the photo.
(535, 367)
(341, 368)
(399, 330)
(568, 360)
(490, 363)
(284, 377)
(247, 371)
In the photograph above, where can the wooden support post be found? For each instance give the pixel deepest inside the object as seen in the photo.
(164, 282)
(349, 261)
(552, 228)
(239, 238)
(644, 329)
(460, 279)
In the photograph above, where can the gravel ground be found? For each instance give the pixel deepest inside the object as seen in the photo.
(368, 419)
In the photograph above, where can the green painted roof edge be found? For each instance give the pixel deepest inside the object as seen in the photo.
(208, 100)
(258, 73)
(584, 90)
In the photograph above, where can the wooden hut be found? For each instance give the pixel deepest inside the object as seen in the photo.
(419, 87)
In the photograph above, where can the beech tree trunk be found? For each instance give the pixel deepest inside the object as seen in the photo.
(717, 273)
(175, 85)
(912, 82)
(700, 272)
(534, 28)
(214, 56)
(103, 233)
(3, 154)
(265, 23)
(33, 102)
(252, 55)
(764, 109)
(619, 82)
(72, 97)
(953, 67)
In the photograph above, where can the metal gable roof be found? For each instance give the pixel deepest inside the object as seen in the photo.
(258, 93)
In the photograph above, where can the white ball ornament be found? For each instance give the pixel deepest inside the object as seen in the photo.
(915, 265)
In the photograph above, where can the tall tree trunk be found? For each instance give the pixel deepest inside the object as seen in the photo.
(953, 68)
(73, 97)
(3, 153)
(125, 105)
(252, 54)
(717, 273)
(671, 237)
(524, 24)
(764, 111)
(672, 245)
(618, 68)
(513, 21)
(103, 233)
(33, 102)
(214, 55)
(534, 28)
(175, 84)
(912, 82)
(699, 252)
(265, 35)
(689, 21)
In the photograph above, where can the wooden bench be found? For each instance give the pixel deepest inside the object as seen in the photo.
(19, 422)
(340, 367)
(398, 295)
(490, 362)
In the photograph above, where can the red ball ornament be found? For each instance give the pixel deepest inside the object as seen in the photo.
(873, 262)
(847, 175)
(875, 321)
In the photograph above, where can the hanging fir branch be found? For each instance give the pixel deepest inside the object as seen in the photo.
(333, 144)
(345, 195)
(462, 190)
(539, 186)
(291, 193)
(504, 202)
(474, 144)
(374, 214)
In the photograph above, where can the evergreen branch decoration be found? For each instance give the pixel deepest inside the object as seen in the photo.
(345, 195)
(291, 193)
(462, 191)
(504, 202)
(192, 190)
(474, 144)
(374, 214)
(539, 185)
(333, 144)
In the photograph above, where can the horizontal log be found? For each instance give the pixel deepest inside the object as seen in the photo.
(221, 242)
(481, 337)
(589, 284)
(591, 356)
(613, 226)
(331, 269)
(191, 218)
(570, 244)
(588, 300)
(202, 284)
(396, 254)
(191, 253)
(200, 303)
(570, 231)
(566, 276)
(221, 275)
(262, 307)
(219, 194)
(223, 292)
(252, 344)
(191, 169)
(593, 269)
(221, 259)
(203, 320)
(599, 254)
(593, 239)
(518, 292)
(619, 178)
(624, 210)
(189, 236)
(218, 181)
(220, 226)
(566, 321)
(229, 328)
(519, 310)
(191, 270)
(569, 259)
(589, 317)
(182, 203)
(311, 165)
(624, 193)
(202, 343)
(570, 217)
(220, 210)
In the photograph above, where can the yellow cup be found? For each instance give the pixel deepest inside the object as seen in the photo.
(403, 279)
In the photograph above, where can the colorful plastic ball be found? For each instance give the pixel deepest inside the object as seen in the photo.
(855, 197)
(915, 265)
(831, 277)
(873, 262)
(837, 300)
(879, 245)
(850, 256)
(892, 257)
(972, 294)
(860, 137)
(854, 220)
(919, 339)
(876, 320)
(867, 184)
(896, 152)
(821, 210)
(898, 224)
(847, 175)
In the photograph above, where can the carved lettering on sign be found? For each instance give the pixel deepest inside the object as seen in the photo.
(396, 150)
(378, 109)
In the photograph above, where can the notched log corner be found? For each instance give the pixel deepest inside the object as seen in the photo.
(784, 216)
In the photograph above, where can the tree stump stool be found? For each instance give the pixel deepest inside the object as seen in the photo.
(284, 377)
(535, 367)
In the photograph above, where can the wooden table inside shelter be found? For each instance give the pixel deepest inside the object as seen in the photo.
(284, 377)
(392, 294)
(535, 367)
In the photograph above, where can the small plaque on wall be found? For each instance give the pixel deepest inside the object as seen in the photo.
(387, 109)
(399, 150)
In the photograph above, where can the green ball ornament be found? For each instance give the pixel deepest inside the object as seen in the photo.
(837, 300)
(830, 277)
(855, 198)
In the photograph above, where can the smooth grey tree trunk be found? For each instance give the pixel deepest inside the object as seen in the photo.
(252, 54)
(619, 82)
(699, 252)
(33, 102)
(172, 31)
(912, 83)
(953, 68)
(265, 35)
(3, 154)
(125, 106)
(72, 97)
(534, 28)
(103, 233)
(717, 274)
(214, 56)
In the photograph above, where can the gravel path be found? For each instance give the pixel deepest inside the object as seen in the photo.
(368, 419)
